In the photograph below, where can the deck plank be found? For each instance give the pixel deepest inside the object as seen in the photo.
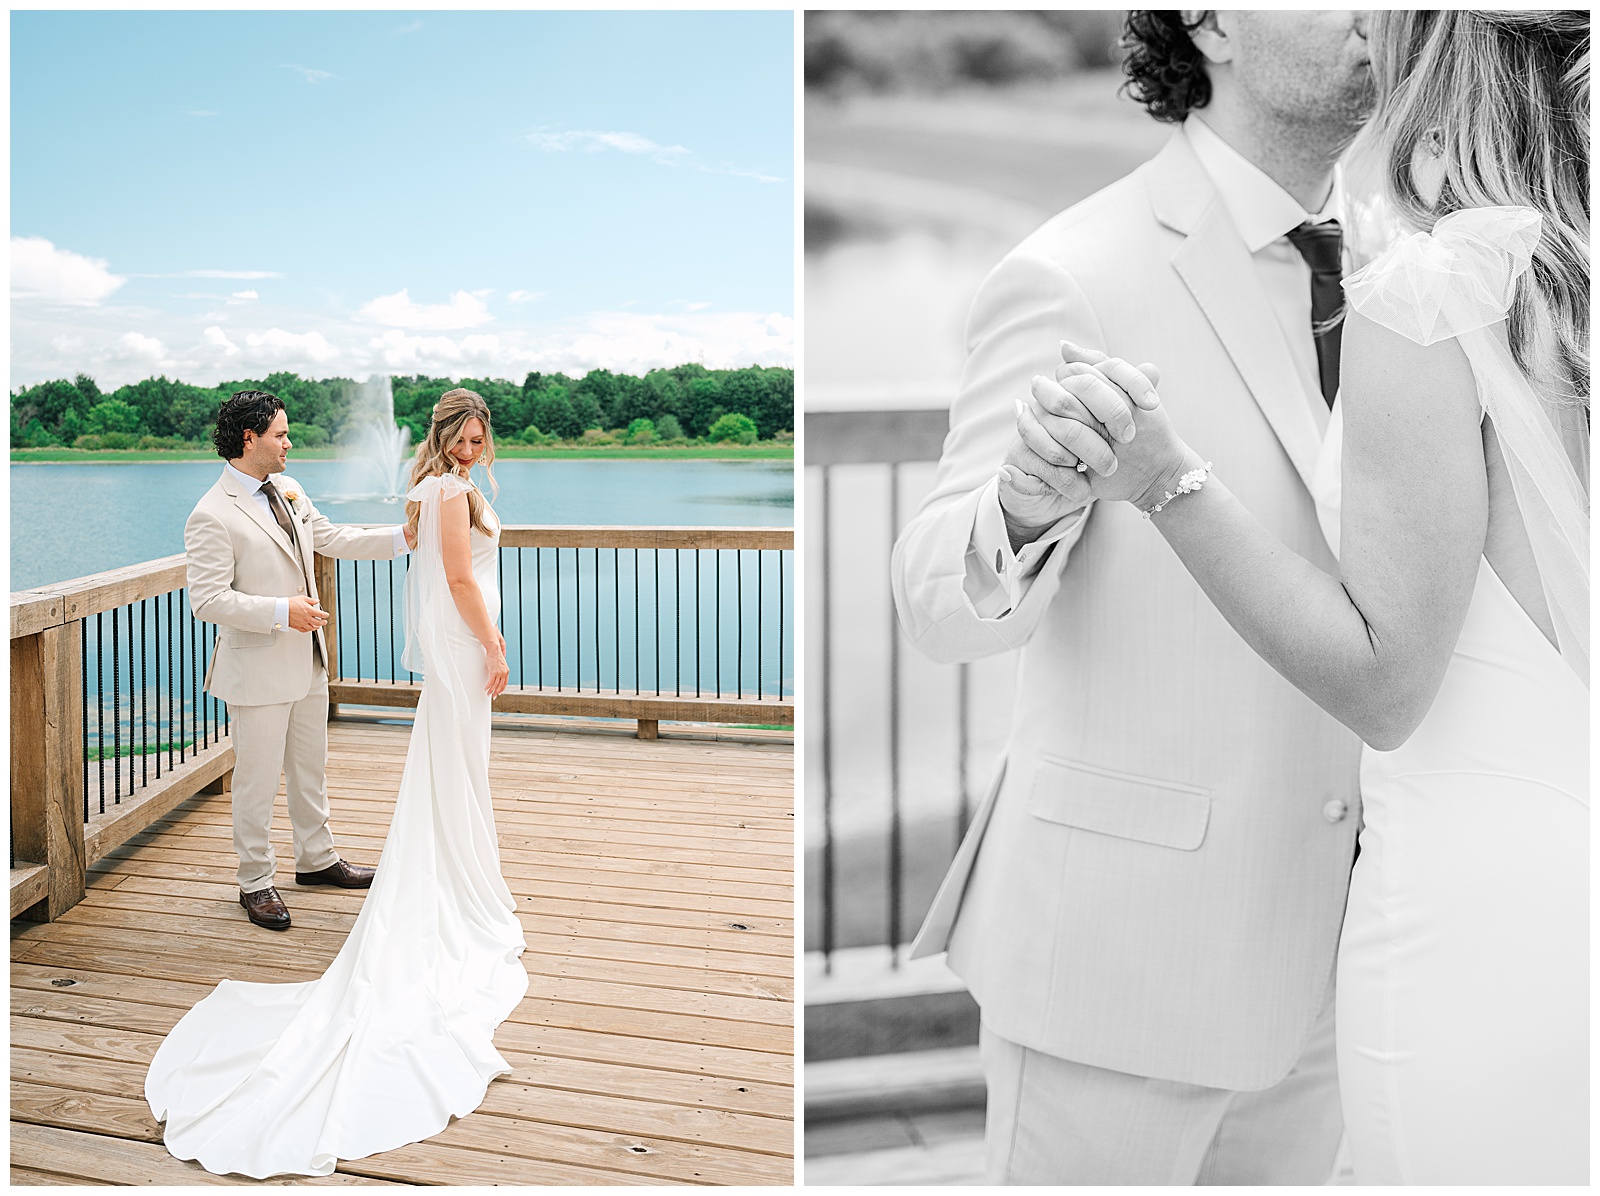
(654, 882)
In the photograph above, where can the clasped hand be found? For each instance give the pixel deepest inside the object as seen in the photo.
(1096, 430)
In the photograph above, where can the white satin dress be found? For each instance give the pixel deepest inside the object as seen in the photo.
(396, 1037)
(1463, 974)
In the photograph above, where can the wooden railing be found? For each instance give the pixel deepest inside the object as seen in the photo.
(61, 821)
(56, 832)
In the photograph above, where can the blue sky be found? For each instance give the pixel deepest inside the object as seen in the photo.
(215, 195)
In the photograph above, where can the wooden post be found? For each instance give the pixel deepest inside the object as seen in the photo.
(47, 763)
(327, 594)
(649, 728)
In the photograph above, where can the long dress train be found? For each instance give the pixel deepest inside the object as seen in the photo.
(396, 1037)
(1463, 972)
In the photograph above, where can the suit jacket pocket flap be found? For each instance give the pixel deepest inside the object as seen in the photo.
(1149, 810)
(247, 639)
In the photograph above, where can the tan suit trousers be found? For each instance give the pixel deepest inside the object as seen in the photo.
(287, 740)
(1053, 1121)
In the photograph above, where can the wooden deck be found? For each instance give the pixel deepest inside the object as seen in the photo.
(655, 1045)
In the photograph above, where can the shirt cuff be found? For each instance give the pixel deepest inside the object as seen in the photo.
(1010, 571)
(400, 546)
(280, 615)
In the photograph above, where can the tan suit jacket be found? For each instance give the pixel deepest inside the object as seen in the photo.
(1156, 883)
(240, 564)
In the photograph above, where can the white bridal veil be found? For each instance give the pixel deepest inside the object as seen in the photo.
(427, 650)
(1459, 281)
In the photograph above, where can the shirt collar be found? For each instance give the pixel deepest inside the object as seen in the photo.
(1261, 210)
(251, 485)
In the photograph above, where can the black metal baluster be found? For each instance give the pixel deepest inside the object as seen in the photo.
(373, 576)
(896, 846)
(410, 676)
(697, 620)
(558, 619)
(355, 613)
(116, 715)
(172, 707)
(738, 605)
(158, 685)
(100, 705)
(200, 697)
(716, 563)
(638, 680)
(338, 606)
(83, 688)
(394, 671)
(194, 681)
(656, 573)
(616, 615)
(538, 610)
(522, 678)
(780, 625)
(677, 610)
(596, 618)
(828, 913)
(144, 696)
(761, 619)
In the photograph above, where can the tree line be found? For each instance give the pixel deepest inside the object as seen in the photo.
(686, 402)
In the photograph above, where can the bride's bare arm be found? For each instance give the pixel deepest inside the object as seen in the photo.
(1371, 645)
(455, 532)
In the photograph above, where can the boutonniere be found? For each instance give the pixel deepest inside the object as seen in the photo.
(291, 497)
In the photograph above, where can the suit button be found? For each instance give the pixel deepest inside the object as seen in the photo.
(1334, 811)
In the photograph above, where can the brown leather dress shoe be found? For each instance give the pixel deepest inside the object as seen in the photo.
(346, 876)
(266, 908)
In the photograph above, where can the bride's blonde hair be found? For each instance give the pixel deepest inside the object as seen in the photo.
(1503, 98)
(450, 416)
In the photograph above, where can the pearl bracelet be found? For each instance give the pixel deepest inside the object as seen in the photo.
(1187, 484)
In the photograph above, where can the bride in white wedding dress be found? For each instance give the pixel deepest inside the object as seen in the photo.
(396, 1037)
(1453, 486)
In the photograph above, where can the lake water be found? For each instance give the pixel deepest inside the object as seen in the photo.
(71, 520)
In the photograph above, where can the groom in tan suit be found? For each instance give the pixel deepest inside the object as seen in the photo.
(250, 542)
(1148, 903)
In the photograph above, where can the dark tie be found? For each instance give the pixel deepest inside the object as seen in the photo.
(278, 513)
(1322, 246)
(282, 516)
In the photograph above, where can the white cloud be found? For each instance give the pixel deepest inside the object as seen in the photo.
(46, 274)
(277, 347)
(312, 75)
(217, 338)
(590, 141)
(135, 346)
(524, 296)
(697, 306)
(465, 310)
(411, 27)
(243, 297)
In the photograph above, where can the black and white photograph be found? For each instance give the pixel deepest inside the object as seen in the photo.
(1196, 561)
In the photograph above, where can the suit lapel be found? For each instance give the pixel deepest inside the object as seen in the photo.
(1215, 265)
(247, 503)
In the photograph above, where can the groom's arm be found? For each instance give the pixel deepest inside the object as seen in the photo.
(212, 598)
(961, 589)
(350, 543)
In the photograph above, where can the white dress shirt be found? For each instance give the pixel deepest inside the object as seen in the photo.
(280, 612)
(1263, 213)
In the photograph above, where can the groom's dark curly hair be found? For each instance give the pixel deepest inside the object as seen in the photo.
(247, 410)
(1165, 72)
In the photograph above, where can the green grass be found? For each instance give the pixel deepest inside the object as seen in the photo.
(109, 752)
(767, 451)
